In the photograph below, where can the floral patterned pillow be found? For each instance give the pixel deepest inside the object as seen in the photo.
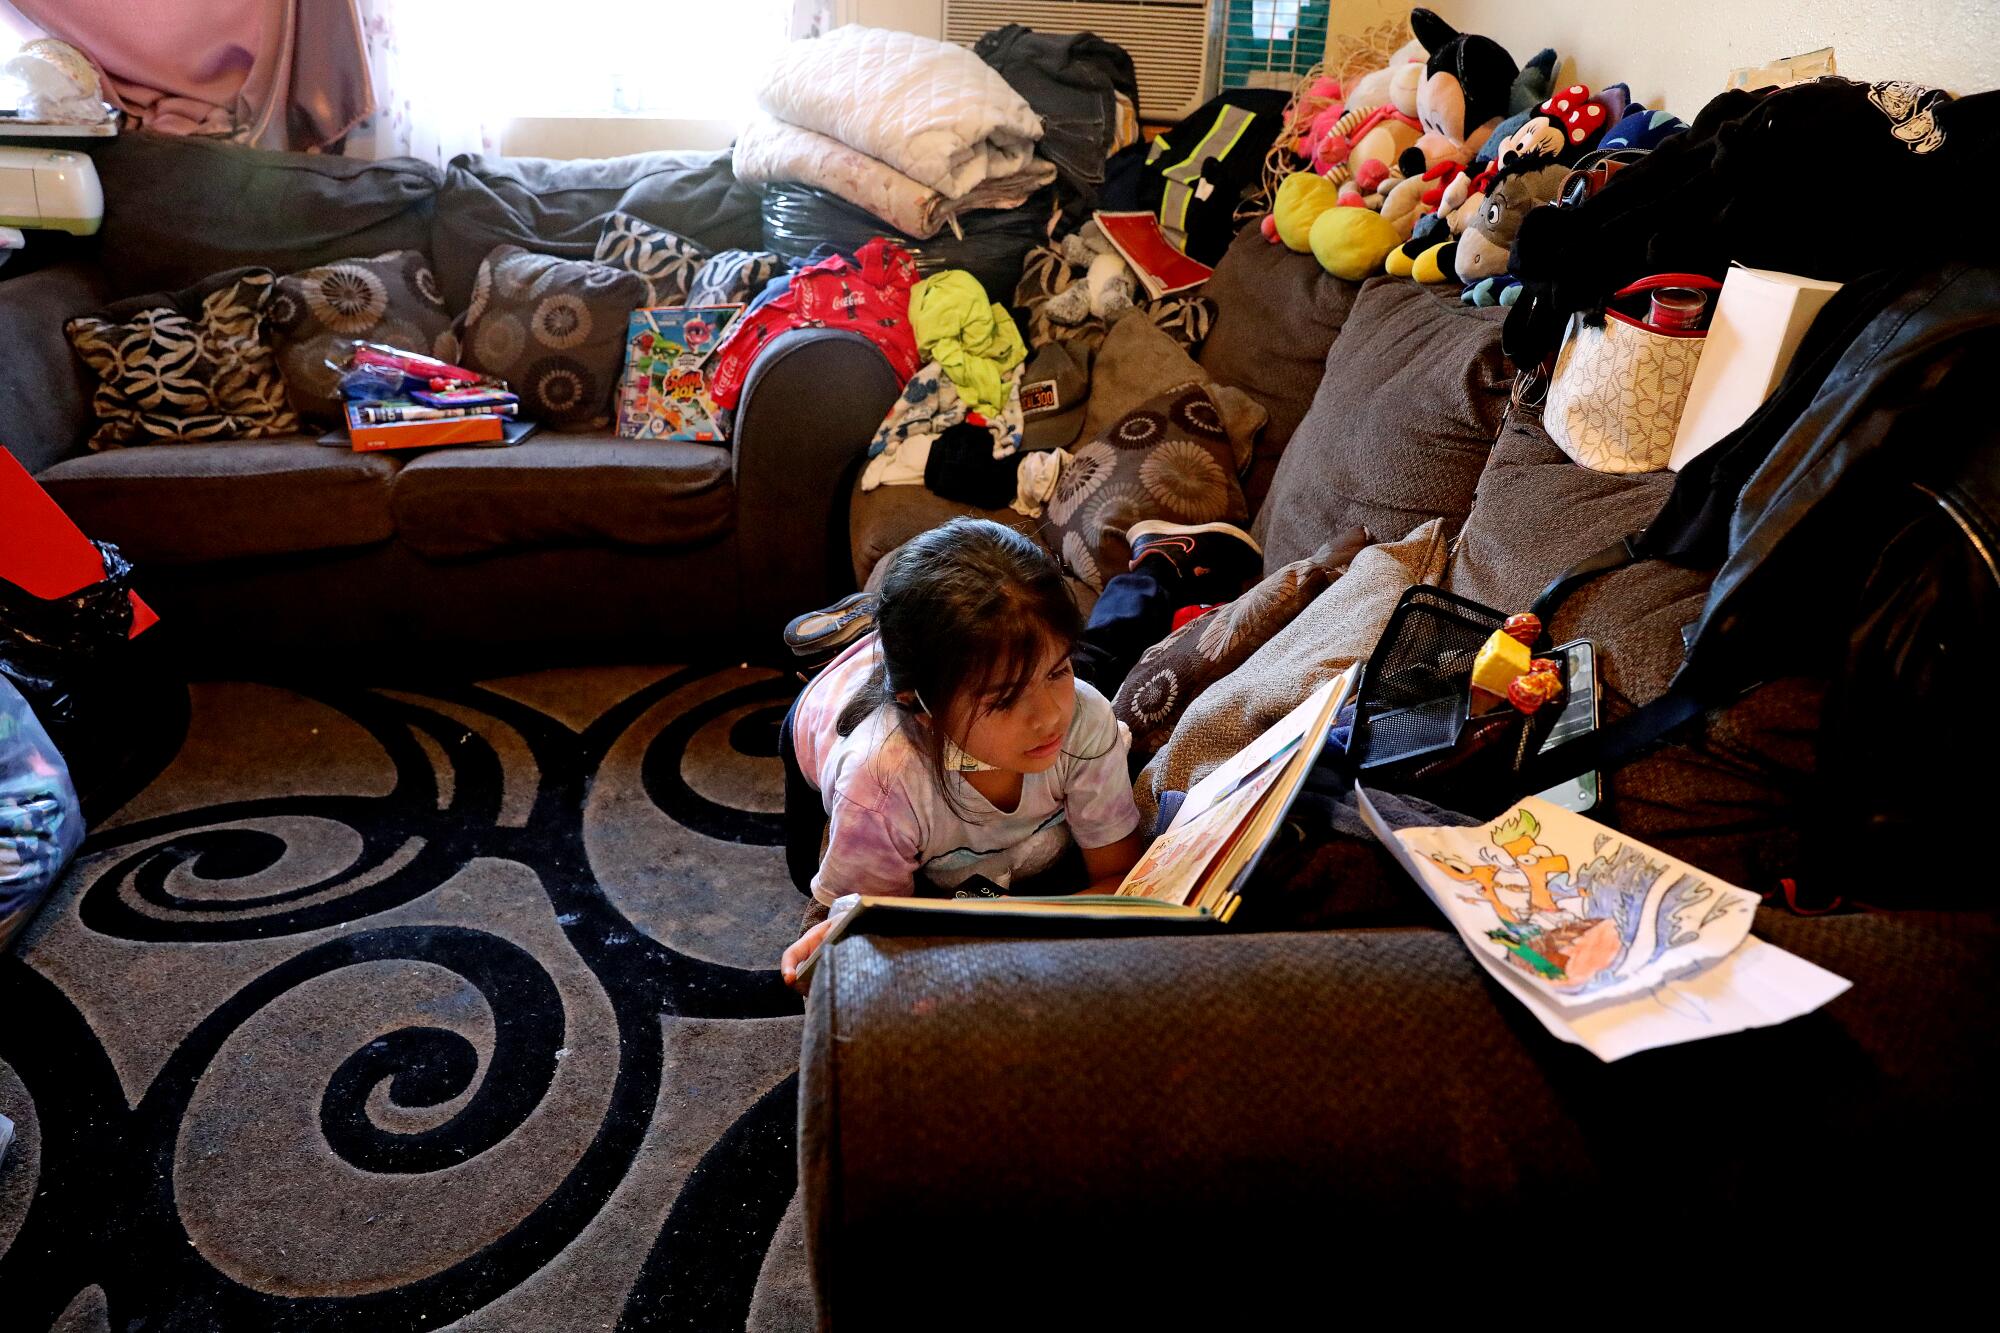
(1175, 670)
(1169, 459)
(318, 315)
(554, 329)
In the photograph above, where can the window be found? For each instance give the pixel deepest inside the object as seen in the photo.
(1272, 43)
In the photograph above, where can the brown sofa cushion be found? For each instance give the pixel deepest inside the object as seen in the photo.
(558, 208)
(551, 491)
(178, 208)
(1276, 314)
(1414, 392)
(880, 520)
(317, 316)
(190, 503)
(1726, 794)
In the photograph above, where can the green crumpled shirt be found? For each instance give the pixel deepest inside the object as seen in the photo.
(972, 339)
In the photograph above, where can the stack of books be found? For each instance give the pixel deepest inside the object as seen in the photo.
(400, 400)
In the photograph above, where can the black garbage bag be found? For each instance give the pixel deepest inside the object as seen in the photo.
(51, 645)
(798, 219)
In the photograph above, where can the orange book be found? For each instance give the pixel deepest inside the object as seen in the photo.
(421, 434)
(41, 550)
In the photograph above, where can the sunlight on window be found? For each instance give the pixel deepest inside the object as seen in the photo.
(681, 59)
(1274, 20)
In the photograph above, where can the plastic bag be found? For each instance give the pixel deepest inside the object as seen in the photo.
(798, 218)
(41, 820)
(47, 644)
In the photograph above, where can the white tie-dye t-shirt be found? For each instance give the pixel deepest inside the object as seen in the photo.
(888, 819)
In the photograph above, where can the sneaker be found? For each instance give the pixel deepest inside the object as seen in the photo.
(1213, 560)
(824, 633)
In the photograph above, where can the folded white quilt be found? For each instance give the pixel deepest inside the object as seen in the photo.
(933, 111)
(770, 152)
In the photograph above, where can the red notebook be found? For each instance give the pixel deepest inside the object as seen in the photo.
(1162, 269)
(41, 550)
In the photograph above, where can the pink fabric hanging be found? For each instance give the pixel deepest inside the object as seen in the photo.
(272, 73)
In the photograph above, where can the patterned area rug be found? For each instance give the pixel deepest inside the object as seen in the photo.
(449, 1006)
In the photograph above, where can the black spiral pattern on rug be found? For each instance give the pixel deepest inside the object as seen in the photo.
(106, 1210)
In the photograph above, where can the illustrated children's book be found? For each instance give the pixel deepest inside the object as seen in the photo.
(1613, 945)
(664, 392)
(1191, 878)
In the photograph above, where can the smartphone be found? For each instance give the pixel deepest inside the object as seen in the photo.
(1578, 718)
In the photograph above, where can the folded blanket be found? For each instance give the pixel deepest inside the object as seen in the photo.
(773, 152)
(933, 111)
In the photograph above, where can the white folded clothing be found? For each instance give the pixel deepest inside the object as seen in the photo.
(933, 111)
(773, 152)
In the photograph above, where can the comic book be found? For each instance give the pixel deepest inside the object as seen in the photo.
(1611, 944)
(663, 393)
(1191, 877)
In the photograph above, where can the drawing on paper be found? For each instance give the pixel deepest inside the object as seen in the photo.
(1581, 909)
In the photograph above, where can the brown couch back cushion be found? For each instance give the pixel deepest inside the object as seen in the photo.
(178, 209)
(1414, 392)
(558, 208)
(1276, 314)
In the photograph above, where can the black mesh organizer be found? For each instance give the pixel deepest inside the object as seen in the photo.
(1412, 704)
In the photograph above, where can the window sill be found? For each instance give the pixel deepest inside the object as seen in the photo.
(611, 136)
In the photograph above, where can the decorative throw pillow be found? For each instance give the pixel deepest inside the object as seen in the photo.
(668, 263)
(1179, 667)
(1167, 460)
(316, 317)
(733, 277)
(554, 329)
(189, 365)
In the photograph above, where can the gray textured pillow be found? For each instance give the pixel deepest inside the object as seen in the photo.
(1413, 395)
(1338, 629)
(554, 329)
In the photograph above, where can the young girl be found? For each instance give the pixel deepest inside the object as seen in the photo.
(956, 741)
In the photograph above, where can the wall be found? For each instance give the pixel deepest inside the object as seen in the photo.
(1677, 53)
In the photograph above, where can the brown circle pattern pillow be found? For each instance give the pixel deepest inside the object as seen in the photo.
(1175, 671)
(316, 316)
(190, 365)
(1168, 459)
(554, 329)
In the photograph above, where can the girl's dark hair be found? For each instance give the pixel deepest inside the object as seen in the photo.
(968, 609)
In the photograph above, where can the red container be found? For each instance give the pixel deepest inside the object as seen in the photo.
(1678, 308)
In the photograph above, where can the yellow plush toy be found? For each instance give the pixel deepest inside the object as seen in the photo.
(1302, 198)
(1351, 243)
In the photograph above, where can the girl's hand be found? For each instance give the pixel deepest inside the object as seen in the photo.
(802, 948)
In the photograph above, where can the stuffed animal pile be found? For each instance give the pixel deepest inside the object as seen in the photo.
(1424, 168)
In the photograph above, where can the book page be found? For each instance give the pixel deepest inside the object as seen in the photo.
(1177, 861)
(1289, 731)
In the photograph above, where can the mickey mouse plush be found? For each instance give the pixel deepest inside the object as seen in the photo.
(1468, 82)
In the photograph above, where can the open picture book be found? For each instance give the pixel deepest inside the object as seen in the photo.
(1190, 878)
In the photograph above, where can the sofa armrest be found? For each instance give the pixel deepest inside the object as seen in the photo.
(44, 389)
(1175, 1115)
(813, 400)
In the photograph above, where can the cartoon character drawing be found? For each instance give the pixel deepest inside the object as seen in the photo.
(1527, 885)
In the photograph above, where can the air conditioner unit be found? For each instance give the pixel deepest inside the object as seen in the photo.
(1169, 40)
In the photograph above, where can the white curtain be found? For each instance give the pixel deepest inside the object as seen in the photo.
(441, 79)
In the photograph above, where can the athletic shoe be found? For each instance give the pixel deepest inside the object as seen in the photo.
(1209, 561)
(824, 633)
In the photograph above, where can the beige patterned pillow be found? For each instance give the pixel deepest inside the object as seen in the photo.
(191, 365)
(1170, 459)
(1175, 671)
(318, 315)
(554, 329)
